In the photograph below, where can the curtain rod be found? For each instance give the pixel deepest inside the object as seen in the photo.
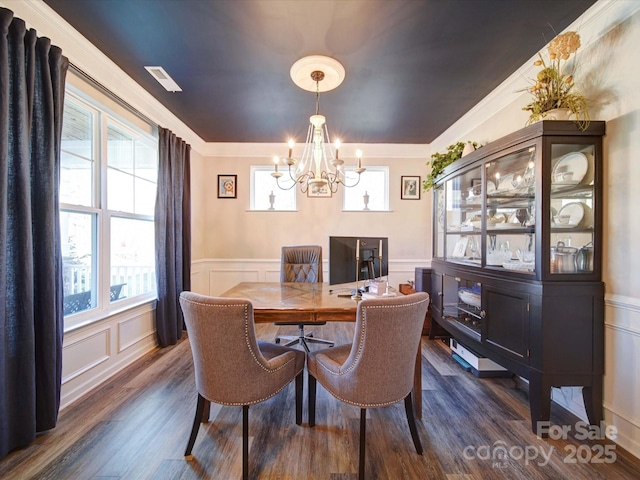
(111, 95)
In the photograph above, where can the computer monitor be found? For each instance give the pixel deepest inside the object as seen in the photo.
(342, 258)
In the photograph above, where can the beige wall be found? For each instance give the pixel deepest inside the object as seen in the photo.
(232, 231)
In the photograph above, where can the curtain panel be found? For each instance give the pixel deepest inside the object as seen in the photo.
(32, 78)
(173, 235)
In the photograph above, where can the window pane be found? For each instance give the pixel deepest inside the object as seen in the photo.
(119, 191)
(132, 257)
(373, 182)
(76, 180)
(132, 173)
(145, 196)
(119, 150)
(263, 185)
(77, 231)
(76, 174)
(146, 162)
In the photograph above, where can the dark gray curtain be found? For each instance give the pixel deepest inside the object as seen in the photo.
(32, 75)
(173, 235)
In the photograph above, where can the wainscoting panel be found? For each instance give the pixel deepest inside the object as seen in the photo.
(95, 352)
(622, 362)
(84, 353)
(225, 273)
(134, 330)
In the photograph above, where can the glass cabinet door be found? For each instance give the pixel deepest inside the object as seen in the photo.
(571, 209)
(510, 185)
(462, 304)
(463, 219)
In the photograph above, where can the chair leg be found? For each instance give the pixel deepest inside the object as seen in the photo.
(299, 393)
(363, 435)
(196, 424)
(245, 442)
(312, 400)
(408, 407)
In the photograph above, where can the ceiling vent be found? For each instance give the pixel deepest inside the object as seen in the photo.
(163, 78)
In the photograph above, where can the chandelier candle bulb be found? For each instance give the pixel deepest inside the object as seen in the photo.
(291, 143)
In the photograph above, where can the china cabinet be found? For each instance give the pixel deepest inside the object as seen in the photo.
(516, 271)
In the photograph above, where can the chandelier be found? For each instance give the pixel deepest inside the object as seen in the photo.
(320, 167)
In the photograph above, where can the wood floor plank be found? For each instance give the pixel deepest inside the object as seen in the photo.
(136, 425)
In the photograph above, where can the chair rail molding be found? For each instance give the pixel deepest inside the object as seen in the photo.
(213, 276)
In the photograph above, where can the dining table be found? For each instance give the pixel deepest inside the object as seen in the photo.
(311, 302)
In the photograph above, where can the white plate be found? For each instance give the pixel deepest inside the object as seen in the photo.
(522, 266)
(506, 226)
(505, 184)
(576, 212)
(574, 164)
(470, 298)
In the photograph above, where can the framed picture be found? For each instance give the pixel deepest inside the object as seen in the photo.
(460, 248)
(410, 188)
(319, 191)
(227, 186)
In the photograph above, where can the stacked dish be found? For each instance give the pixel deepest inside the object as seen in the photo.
(469, 296)
(517, 265)
(579, 215)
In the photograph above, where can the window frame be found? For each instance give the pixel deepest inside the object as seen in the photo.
(276, 190)
(103, 117)
(372, 168)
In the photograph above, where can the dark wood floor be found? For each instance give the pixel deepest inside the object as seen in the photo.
(136, 426)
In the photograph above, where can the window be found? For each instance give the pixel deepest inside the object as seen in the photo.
(107, 197)
(263, 185)
(374, 182)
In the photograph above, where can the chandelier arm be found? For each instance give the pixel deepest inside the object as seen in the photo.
(344, 182)
(284, 188)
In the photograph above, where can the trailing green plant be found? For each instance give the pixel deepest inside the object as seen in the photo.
(439, 161)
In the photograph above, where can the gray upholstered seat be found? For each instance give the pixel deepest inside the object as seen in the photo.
(377, 368)
(231, 366)
(302, 263)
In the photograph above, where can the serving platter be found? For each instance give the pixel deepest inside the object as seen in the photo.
(570, 169)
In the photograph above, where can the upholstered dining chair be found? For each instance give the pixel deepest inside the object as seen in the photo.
(231, 366)
(377, 369)
(302, 263)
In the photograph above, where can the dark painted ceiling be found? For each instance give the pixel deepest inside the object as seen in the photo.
(412, 67)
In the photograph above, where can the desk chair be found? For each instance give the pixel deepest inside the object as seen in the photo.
(231, 366)
(377, 369)
(301, 264)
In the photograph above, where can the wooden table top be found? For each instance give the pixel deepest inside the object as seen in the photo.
(310, 302)
(313, 302)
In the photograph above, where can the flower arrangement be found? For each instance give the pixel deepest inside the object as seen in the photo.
(554, 88)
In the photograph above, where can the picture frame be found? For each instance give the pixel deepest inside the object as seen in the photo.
(227, 186)
(410, 188)
(319, 192)
(460, 248)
